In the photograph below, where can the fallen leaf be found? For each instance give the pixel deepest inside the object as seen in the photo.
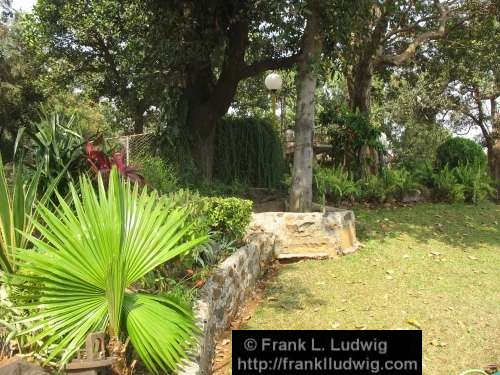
(226, 341)
(341, 309)
(199, 283)
(389, 277)
(247, 317)
(272, 298)
(335, 325)
(438, 343)
(389, 272)
(472, 257)
(414, 323)
(362, 327)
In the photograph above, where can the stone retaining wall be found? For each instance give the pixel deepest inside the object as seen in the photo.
(224, 292)
(270, 235)
(328, 234)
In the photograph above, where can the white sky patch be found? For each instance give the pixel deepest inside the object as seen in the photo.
(23, 5)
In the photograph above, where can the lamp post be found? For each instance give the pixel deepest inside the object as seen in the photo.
(273, 83)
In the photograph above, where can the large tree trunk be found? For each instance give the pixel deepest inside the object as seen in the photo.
(494, 150)
(302, 174)
(360, 85)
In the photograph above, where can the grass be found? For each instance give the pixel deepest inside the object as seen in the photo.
(431, 266)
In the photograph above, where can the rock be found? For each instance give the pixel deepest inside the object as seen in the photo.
(20, 367)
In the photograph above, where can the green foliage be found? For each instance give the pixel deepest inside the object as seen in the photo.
(373, 189)
(87, 259)
(335, 185)
(392, 184)
(349, 132)
(55, 145)
(399, 183)
(157, 173)
(229, 216)
(478, 185)
(226, 219)
(446, 186)
(248, 150)
(18, 200)
(457, 151)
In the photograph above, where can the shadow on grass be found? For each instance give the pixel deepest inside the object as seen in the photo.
(291, 297)
(460, 225)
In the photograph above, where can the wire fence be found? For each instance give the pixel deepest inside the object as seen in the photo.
(138, 145)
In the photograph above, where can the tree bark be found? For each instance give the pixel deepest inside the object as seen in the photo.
(494, 158)
(360, 85)
(301, 189)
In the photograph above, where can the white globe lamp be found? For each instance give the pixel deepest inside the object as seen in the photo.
(273, 82)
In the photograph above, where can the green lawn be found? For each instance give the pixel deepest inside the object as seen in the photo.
(431, 266)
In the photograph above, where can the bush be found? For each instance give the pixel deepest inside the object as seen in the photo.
(157, 173)
(335, 184)
(399, 183)
(459, 151)
(447, 188)
(223, 217)
(54, 146)
(349, 133)
(478, 185)
(248, 150)
(228, 216)
(373, 189)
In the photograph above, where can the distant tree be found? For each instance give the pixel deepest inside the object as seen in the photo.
(469, 64)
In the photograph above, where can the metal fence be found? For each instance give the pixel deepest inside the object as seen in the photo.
(138, 145)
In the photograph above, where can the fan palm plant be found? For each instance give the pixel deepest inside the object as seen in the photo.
(87, 260)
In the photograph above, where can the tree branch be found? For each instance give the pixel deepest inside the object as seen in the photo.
(269, 64)
(419, 40)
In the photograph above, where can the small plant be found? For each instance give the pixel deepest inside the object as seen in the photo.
(400, 183)
(446, 186)
(477, 183)
(157, 174)
(102, 164)
(373, 189)
(335, 185)
(54, 145)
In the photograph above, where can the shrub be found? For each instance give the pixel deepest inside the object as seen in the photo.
(477, 183)
(350, 133)
(459, 151)
(54, 146)
(157, 174)
(228, 216)
(335, 184)
(248, 150)
(399, 182)
(446, 187)
(373, 189)
(225, 219)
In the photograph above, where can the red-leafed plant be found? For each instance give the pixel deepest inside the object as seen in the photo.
(102, 164)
